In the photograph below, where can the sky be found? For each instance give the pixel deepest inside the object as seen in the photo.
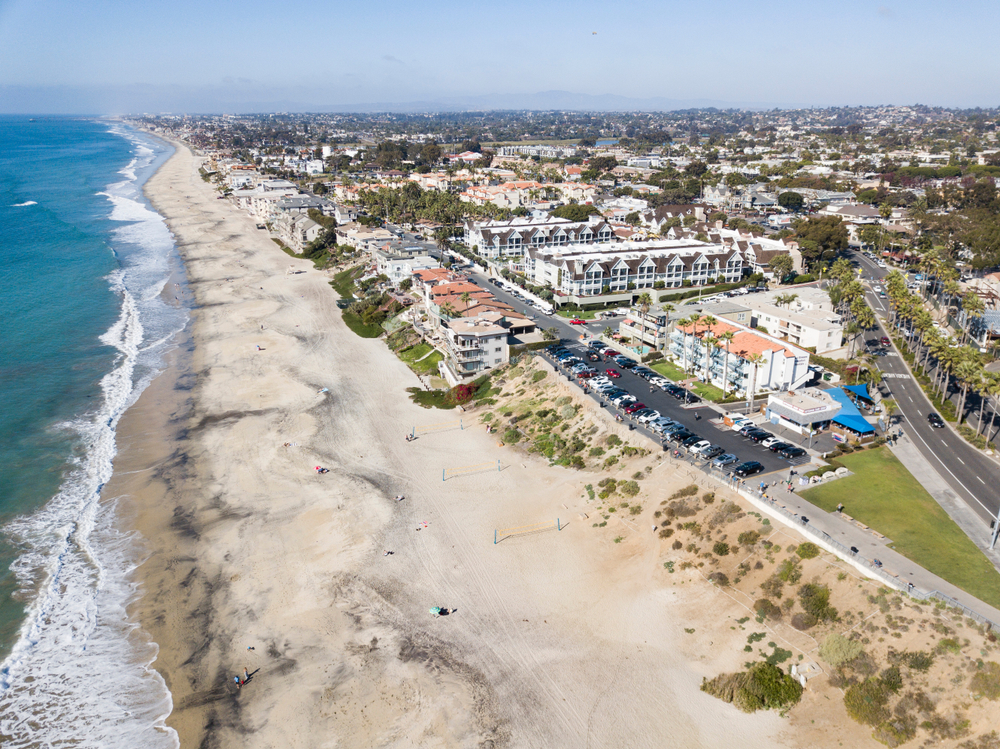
(115, 57)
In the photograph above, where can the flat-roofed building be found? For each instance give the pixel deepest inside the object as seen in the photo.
(803, 411)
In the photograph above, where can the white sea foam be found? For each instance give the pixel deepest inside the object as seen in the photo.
(80, 671)
(25, 203)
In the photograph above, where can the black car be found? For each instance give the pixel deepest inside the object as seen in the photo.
(792, 452)
(690, 397)
(777, 447)
(935, 421)
(748, 469)
(681, 435)
(758, 435)
(626, 364)
(691, 440)
(712, 452)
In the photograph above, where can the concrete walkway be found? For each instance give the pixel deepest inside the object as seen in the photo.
(870, 545)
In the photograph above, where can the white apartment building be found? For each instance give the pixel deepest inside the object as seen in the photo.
(510, 238)
(398, 267)
(780, 366)
(591, 270)
(472, 347)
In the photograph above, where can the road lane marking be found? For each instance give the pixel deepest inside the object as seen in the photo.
(960, 460)
(981, 481)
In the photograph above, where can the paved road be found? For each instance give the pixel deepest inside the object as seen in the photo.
(972, 475)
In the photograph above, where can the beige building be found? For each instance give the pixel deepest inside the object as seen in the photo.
(471, 348)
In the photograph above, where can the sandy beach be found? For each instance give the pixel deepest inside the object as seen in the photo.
(559, 639)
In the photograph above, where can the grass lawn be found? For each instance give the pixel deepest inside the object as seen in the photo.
(672, 372)
(583, 314)
(361, 328)
(883, 495)
(417, 359)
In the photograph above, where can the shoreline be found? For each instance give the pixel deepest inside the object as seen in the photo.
(554, 640)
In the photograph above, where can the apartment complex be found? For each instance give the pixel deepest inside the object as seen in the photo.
(608, 268)
(510, 238)
(755, 360)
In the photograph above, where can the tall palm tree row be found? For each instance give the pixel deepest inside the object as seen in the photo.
(726, 339)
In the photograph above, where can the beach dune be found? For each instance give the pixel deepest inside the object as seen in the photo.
(559, 639)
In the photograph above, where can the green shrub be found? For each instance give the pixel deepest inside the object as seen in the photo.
(629, 488)
(748, 538)
(613, 440)
(512, 436)
(790, 571)
(808, 550)
(487, 417)
(635, 509)
(866, 702)
(763, 686)
(815, 600)
(773, 587)
(687, 491)
(766, 609)
(803, 621)
(837, 649)
(986, 682)
(596, 452)
(949, 645)
(721, 548)
(539, 375)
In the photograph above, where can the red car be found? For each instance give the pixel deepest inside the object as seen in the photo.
(577, 321)
(610, 353)
(612, 373)
(633, 407)
(586, 374)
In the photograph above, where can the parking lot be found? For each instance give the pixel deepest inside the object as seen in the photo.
(697, 417)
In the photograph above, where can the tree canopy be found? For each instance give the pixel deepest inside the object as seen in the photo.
(793, 201)
(575, 212)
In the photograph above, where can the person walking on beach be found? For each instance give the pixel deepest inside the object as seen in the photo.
(239, 684)
(246, 675)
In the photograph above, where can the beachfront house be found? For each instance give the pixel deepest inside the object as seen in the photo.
(472, 346)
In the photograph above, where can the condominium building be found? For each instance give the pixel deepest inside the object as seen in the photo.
(605, 268)
(472, 347)
(755, 361)
(512, 237)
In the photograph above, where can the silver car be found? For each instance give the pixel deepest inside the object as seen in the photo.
(727, 459)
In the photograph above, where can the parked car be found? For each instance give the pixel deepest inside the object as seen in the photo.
(610, 353)
(697, 448)
(680, 435)
(626, 364)
(768, 441)
(758, 436)
(748, 469)
(624, 399)
(649, 417)
(726, 459)
(712, 452)
(586, 374)
(738, 424)
(777, 447)
(614, 373)
(692, 440)
(744, 431)
(793, 452)
(577, 321)
(595, 343)
(632, 408)
(935, 421)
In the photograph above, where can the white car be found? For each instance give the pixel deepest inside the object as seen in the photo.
(738, 424)
(621, 400)
(660, 381)
(699, 447)
(770, 441)
(649, 417)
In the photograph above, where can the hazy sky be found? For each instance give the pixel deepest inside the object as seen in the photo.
(218, 55)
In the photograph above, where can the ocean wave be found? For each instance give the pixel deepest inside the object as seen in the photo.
(25, 203)
(78, 660)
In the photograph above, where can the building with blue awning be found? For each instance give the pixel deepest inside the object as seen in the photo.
(850, 421)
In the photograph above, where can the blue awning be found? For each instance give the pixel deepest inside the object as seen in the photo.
(849, 415)
(861, 390)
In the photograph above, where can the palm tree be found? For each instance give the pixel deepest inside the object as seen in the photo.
(710, 342)
(709, 323)
(967, 372)
(756, 360)
(993, 391)
(693, 322)
(644, 302)
(725, 339)
(973, 306)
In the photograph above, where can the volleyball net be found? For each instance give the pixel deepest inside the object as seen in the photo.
(492, 465)
(500, 534)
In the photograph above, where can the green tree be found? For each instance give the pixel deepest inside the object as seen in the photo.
(793, 201)
(550, 334)
(575, 212)
(821, 238)
(782, 266)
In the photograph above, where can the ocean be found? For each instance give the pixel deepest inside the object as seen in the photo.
(91, 299)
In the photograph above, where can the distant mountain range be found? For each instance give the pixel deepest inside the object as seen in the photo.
(208, 100)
